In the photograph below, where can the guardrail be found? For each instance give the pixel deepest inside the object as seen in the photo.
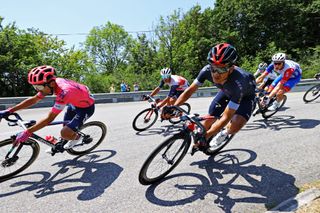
(135, 96)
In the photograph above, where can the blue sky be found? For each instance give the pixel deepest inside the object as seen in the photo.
(80, 16)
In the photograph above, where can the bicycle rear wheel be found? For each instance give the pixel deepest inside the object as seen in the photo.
(15, 164)
(164, 158)
(145, 119)
(93, 133)
(312, 94)
(177, 119)
(268, 113)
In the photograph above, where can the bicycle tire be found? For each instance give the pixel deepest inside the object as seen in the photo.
(134, 123)
(178, 120)
(315, 88)
(266, 115)
(144, 178)
(35, 148)
(216, 151)
(83, 129)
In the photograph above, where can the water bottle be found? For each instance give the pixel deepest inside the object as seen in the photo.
(51, 139)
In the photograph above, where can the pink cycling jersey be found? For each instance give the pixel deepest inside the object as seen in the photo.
(70, 92)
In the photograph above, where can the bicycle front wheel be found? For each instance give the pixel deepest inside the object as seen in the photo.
(312, 94)
(16, 162)
(177, 119)
(268, 113)
(164, 158)
(93, 133)
(145, 119)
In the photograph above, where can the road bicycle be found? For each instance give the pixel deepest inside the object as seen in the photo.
(171, 151)
(14, 158)
(312, 93)
(264, 109)
(147, 117)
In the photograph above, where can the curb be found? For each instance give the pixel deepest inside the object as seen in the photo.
(292, 204)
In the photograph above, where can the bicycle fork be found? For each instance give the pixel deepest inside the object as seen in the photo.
(11, 160)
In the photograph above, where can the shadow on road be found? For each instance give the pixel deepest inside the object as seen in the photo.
(230, 180)
(89, 174)
(281, 122)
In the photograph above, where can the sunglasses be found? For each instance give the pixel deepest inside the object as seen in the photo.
(277, 63)
(165, 76)
(38, 87)
(219, 70)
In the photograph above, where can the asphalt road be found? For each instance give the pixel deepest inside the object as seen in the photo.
(263, 165)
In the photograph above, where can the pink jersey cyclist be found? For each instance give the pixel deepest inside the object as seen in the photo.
(70, 92)
(77, 96)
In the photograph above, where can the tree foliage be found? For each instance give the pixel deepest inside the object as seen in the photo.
(258, 29)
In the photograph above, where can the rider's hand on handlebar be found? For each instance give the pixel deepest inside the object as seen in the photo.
(145, 97)
(23, 136)
(5, 113)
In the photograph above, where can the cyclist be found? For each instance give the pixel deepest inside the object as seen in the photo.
(290, 74)
(77, 96)
(177, 84)
(265, 82)
(317, 76)
(232, 106)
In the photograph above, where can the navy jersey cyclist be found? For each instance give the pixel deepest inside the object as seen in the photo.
(232, 106)
(177, 84)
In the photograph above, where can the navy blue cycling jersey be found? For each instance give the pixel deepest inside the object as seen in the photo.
(239, 85)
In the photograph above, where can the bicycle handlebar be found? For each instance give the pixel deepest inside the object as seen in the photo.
(16, 115)
(195, 119)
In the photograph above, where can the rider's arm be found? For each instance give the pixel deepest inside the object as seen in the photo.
(186, 94)
(26, 103)
(164, 102)
(222, 122)
(286, 75)
(155, 91)
(42, 123)
(261, 77)
(256, 73)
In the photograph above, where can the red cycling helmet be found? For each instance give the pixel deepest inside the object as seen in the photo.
(222, 55)
(41, 75)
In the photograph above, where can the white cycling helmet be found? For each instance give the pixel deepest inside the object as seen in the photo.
(279, 57)
(262, 66)
(165, 73)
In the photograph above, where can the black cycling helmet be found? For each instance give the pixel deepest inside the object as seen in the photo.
(223, 54)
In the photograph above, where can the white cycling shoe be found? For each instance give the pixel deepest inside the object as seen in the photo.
(221, 137)
(275, 105)
(72, 143)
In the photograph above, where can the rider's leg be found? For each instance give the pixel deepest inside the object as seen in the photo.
(238, 120)
(69, 131)
(216, 108)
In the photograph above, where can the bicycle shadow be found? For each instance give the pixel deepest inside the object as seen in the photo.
(164, 130)
(89, 174)
(281, 122)
(230, 181)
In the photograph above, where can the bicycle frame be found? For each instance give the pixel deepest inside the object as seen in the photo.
(18, 121)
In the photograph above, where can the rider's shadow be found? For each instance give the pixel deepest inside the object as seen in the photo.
(229, 180)
(88, 174)
(282, 122)
(164, 130)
